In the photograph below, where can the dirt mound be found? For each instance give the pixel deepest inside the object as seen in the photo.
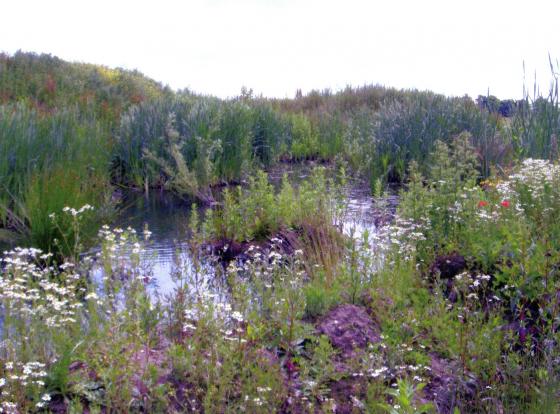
(349, 327)
(448, 266)
(448, 382)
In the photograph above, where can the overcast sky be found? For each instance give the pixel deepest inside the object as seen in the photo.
(277, 46)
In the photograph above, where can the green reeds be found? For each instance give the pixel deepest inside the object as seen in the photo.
(408, 130)
(47, 162)
(536, 124)
(219, 141)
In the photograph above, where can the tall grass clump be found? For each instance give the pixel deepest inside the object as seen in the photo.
(169, 143)
(258, 212)
(408, 129)
(268, 132)
(48, 162)
(304, 138)
(331, 134)
(535, 127)
(198, 141)
(140, 126)
(234, 132)
(359, 140)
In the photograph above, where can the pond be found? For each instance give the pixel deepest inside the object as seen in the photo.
(167, 217)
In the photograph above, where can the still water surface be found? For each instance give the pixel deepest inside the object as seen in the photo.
(167, 218)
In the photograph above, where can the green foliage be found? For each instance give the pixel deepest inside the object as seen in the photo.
(408, 130)
(234, 133)
(268, 134)
(319, 297)
(321, 369)
(47, 83)
(304, 142)
(94, 331)
(535, 126)
(507, 232)
(48, 162)
(173, 167)
(258, 212)
(404, 399)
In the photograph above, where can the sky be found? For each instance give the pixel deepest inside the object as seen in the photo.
(278, 46)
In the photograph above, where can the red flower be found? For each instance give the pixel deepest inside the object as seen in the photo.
(482, 203)
(505, 203)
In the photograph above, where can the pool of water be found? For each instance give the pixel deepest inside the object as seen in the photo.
(167, 217)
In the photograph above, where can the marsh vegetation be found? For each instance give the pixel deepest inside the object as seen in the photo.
(275, 296)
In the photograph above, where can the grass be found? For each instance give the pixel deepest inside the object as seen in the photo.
(153, 138)
(49, 162)
(109, 344)
(451, 307)
(306, 218)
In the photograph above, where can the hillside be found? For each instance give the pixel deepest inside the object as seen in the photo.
(48, 83)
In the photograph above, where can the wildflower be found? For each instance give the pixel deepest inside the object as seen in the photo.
(377, 372)
(357, 403)
(9, 407)
(237, 316)
(66, 265)
(482, 203)
(505, 203)
(91, 296)
(188, 326)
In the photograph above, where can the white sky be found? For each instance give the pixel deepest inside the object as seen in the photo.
(277, 46)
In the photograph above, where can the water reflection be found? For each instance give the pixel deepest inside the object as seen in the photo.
(167, 217)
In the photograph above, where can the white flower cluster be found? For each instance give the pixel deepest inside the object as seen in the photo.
(21, 376)
(534, 175)
(72, 211)
(208, 312)
(405, 234)
(34, 293)
(486, 216)
(122, 254)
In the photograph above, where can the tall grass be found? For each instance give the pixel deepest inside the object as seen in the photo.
(304, 142)
(217, 140)
(234, 133)
(269, 132)
(94, 122)
(48, 162)
(408, 130)
(536, 124)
